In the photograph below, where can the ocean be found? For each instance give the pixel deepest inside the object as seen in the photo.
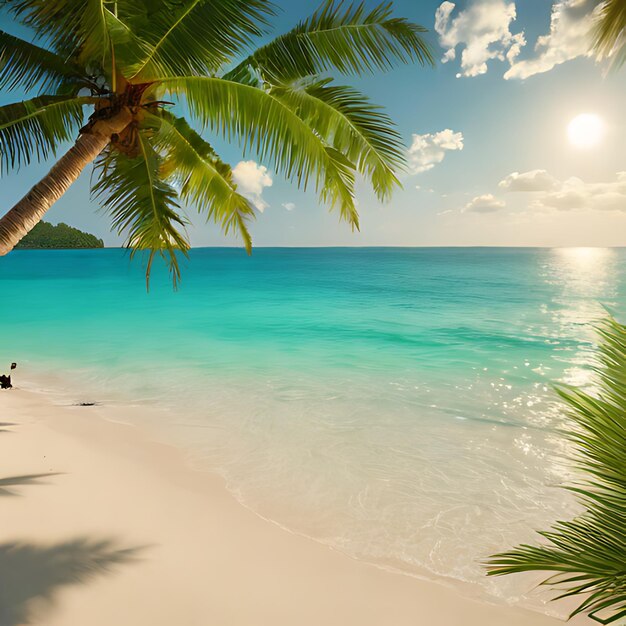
(394, 403)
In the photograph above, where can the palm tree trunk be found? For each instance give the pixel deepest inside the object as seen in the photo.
(33, 206)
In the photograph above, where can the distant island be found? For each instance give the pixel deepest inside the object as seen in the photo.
(48, 236)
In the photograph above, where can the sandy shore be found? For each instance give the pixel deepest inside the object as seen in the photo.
(101, 526)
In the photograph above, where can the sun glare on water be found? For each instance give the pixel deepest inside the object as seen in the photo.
(585, 130)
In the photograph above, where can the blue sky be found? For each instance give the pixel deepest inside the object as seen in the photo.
(491, 164)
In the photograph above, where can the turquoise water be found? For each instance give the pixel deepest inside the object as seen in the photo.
(394, 403)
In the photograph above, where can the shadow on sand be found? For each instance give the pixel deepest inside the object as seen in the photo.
(7, 484)
(31, 575)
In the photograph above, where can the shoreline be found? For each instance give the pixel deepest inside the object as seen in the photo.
(105, 525)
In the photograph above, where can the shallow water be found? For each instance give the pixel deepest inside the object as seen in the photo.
(394, 403)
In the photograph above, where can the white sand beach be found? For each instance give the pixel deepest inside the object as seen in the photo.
(101, 526)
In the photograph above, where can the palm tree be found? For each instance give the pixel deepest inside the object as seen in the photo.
(610, 33)
(588, 553)
(122, 60)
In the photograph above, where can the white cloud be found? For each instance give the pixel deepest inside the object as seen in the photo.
(290, 206)
(487, 203)
(574, 193)
(571, 23)
(428, 150)
(482, 30)
(251, 178)
(535, 180)
(548, 193)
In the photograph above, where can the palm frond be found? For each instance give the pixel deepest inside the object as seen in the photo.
(349, 39)
(127, 47)
(203, 179)
(26, 66)
(36, 127)
(73, 28)
(352, 125)
(338, 188)
(588, 554)
(143, 207)
(265, 125)
(610, 32)
(197, 36)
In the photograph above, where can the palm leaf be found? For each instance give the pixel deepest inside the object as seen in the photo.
(350, 40)
(203, 179)
(610, 32)
(352, 125)
(127, 47)
(588, 553)
(73, 28)
(262, 123)
(36, 127)
(197, 36)
(25, 66)
(143, 207)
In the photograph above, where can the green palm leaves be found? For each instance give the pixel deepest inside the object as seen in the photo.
(278, 103)
(75, 29)
(610, 33)
(351, 125)
(203, 179)
(197, 37)
(588, 554)
(142, 204)
(26, 66)
(35, 128)
(265, 125)
(349, 39)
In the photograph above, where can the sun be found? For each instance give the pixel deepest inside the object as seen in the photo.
(585, 130)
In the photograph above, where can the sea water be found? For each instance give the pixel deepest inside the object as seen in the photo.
(394, 403)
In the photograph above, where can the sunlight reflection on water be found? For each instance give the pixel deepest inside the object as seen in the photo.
(584, 278)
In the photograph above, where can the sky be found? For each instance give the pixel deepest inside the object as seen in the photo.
(492, 157)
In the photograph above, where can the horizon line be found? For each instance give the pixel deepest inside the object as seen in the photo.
(348, 247)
